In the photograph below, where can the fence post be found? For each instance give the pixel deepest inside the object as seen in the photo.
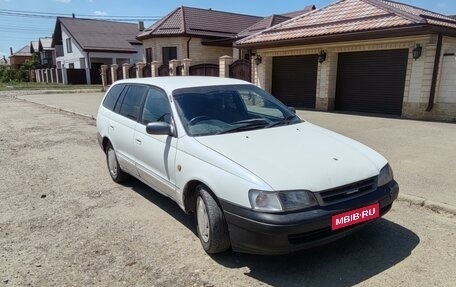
(186, 70)
(88, 76)
(114, 68)
(104, 76)
(51, 71)
(125, 68)
(224, 66)
(154, 68)
(64, 75)
(139, 69)
(37, 75)
(173, 64)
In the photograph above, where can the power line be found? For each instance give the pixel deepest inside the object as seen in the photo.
(49, 15)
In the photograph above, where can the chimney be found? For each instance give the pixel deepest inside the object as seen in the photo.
(11, 51)
(141, 26)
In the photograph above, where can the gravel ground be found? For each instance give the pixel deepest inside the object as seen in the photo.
(63, 222)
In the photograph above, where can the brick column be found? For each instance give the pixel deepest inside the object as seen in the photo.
(114, 68)
(326, 83)
(154, 68)
(125, 68)
(186, 70)
(139, 69)
(173, 64)
(224, 66)
(104, 76)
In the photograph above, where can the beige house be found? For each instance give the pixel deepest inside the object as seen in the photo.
(202, 35)
(367, 56)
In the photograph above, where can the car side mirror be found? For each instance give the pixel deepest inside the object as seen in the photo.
(291, 109)
(160, 128)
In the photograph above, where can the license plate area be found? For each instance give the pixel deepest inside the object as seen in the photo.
(355, 216)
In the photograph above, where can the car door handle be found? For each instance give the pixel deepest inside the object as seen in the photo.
(112, 127)
(138, 141)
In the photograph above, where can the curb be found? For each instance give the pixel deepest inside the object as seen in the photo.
(432, 205)
(411, 199)
(92, 117)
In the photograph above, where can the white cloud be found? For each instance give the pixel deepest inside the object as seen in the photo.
(100, 13)
(64, 1)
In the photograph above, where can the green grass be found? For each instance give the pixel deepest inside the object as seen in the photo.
(46, 86)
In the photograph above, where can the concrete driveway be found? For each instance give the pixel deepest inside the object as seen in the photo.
(422, 154)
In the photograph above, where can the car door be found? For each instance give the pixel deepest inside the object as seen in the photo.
(156, 154)
(123, 123)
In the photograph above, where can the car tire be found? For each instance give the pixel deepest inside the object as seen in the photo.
(211, 226)
(116, 173)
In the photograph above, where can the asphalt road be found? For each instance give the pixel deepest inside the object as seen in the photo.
(422, 154)
(63, 222)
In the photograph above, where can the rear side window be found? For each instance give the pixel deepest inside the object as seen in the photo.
(131, 103)
(112, 97)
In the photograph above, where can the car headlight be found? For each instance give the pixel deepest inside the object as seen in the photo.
(385, 176)
(276, 201)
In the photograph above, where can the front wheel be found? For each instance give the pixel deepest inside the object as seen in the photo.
(211, 225)
(117, 174)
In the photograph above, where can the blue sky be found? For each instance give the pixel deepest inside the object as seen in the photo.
(17, 32)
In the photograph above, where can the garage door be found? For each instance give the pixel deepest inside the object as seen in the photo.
(294, 80)
(371, 82)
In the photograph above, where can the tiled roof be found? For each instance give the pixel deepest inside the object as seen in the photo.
(348, 16)
(99, 35)
(272, 21)
(200, 22)
(24, 51)
(34, 46)
(45, 43)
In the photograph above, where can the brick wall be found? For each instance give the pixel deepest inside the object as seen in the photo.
(418, 81)
(198, 53)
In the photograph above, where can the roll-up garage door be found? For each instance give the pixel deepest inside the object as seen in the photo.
(371, 82)
(294, 80)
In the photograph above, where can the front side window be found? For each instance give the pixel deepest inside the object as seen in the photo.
(131, 103)
(230, 108)
(169, 53)
(156, 107)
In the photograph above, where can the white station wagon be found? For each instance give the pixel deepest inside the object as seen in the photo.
(257, 177)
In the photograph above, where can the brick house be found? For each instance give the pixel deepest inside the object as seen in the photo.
(202, 35)
(368, 56)
(46, 52)
(18, 58)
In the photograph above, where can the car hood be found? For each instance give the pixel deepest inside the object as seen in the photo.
(300, 156)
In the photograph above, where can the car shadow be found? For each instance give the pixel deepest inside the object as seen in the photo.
(373, 249)
(165, 203)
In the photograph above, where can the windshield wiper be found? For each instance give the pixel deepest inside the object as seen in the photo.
(285, 121)
(251, 126)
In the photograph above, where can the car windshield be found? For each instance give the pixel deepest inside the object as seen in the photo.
(224, 109)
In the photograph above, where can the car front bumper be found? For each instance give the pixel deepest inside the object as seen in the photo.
(272, 233)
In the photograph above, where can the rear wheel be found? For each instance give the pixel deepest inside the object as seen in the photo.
(211, 225)
(117, 174)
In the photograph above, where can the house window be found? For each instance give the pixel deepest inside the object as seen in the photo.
(68, 45)
(169, 53)
(148, 55)
(71, 65)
